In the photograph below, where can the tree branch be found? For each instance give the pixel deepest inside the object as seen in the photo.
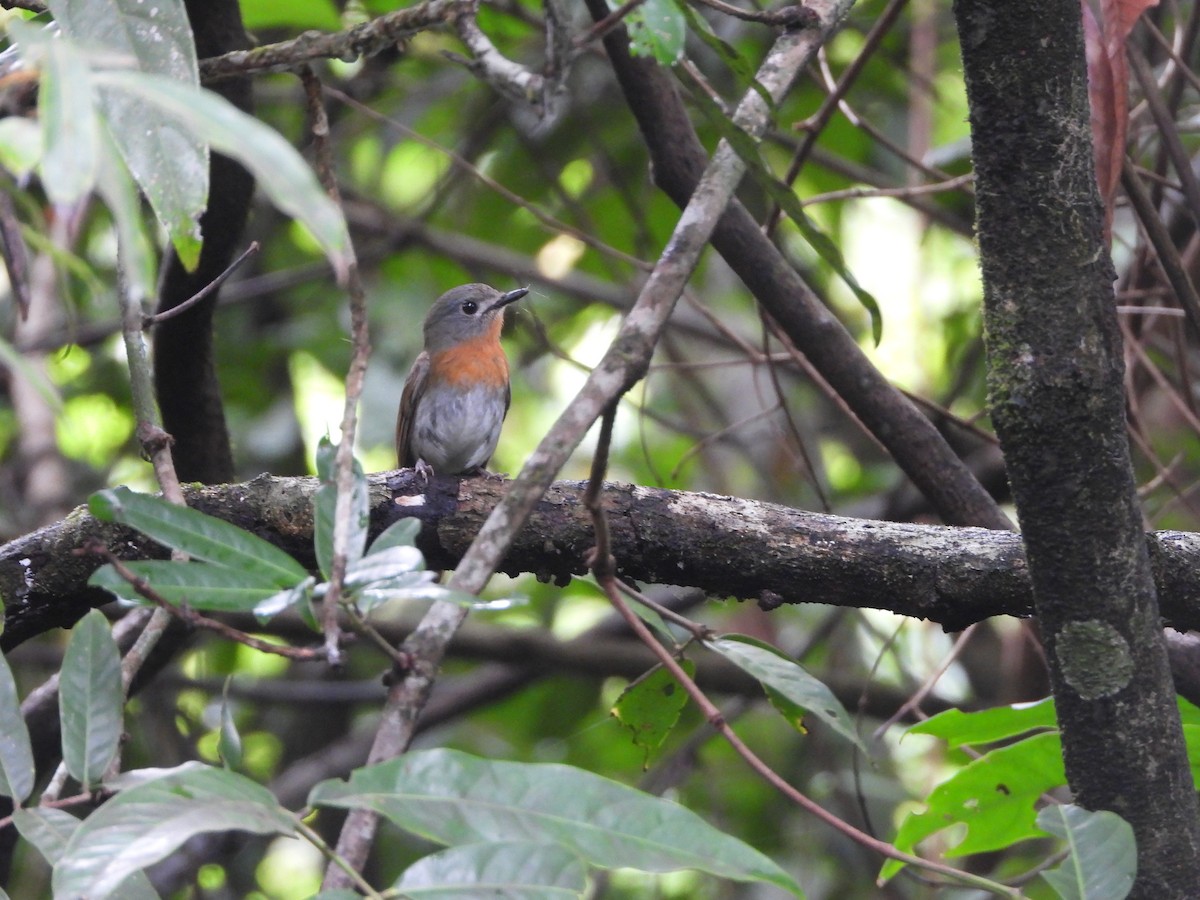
(723, 545)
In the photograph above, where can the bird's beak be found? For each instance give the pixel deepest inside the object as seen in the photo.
(510, 297)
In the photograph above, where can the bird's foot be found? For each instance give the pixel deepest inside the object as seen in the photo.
(423, 470)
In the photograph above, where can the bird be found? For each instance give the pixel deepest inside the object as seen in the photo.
(457, 393)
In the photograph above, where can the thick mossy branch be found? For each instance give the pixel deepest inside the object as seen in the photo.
(723, 545)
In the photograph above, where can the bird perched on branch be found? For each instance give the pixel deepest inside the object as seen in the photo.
(457, 393)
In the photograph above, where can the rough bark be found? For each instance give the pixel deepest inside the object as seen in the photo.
(1056, 372)
(724, 545)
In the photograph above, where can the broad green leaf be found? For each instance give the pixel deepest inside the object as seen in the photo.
(20, 145)
(993, 796)
(16, 755)
(1102, 860)
(511, 869)
(401, 533)
(91, 699)
(298, 596)
(280, 171)
(987, 726)
(169, 162)
(785, 675)
(200, 536)
(656, 28)
(46, 828)
(148, 822)
(651, 705)
(197, 585)
(114, 185)
(455, 798)
(325, 509)
(70, 133)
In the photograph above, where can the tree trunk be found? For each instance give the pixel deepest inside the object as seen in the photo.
(1057, 399)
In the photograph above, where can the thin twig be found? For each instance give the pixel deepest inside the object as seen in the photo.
(148, 321)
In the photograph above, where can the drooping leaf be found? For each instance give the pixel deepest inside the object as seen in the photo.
(1101, 862)
(91, 699)
(280, 171)
(651, 705)
(788, 677)
(70, 132)
(511, 869)
(325, 511)
(197, 585)
(454, 798)
(147, 822)
(200, 536)
(114, 185)
(994, 796)
(169, 162)
(46, 828)
(16, 754)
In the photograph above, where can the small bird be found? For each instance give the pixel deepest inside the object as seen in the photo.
(457, 393)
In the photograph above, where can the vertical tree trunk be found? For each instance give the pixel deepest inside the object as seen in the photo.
(1057, 399)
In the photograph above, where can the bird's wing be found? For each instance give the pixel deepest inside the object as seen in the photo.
(414, 387)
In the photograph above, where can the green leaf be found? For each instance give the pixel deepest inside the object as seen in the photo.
(200, 536)
(786, 676)
(455, 798)
(325, 509)
(651, 705)
(197, 585)
(515, 869)
(988, 726)
(46, 828)
(114, 185)
(994, 796)
(66, 107)
(16, 755)
(91, 700)
(401, 533)
(657, 29)
(1102, 859)
(147, 822)
(169, 162)
(300, 595)
(279, 170)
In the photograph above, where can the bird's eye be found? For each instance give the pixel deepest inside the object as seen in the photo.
(469, 307)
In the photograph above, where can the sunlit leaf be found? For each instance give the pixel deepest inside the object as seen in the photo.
(958, 727)
(651, 705)
(994, 796)
(91, 699)
(1101, 863)
(454, 798)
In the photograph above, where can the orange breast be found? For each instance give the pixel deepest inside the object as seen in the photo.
(479, 361)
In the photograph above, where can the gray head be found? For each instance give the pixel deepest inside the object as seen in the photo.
(465, 312)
